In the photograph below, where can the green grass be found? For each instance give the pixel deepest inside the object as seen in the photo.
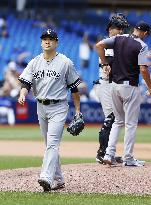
(88, 134)
(20, 133)
(14, 162)
(18, 198)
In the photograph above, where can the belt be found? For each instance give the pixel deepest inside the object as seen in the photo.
(48, 102)
(126, 82)
(105, 79)
(98, 81)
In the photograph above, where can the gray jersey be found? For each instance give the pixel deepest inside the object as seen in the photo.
(108, 53)
(50, 79)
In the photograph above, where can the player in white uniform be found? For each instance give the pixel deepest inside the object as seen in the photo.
(117, 24)
(51, 74)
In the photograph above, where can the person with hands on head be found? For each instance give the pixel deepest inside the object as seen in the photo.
(51, 75)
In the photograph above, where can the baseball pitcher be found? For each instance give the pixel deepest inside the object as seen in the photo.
(50, 75)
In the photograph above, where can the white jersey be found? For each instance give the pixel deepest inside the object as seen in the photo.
(50, 79)
(108, 53)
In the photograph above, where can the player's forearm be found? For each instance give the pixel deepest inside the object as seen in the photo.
(100, 48)
(23, 92)
(22, 96)
(76, 100)
(146, 76)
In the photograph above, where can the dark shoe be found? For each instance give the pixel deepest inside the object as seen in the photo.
(99, 157)
(119, 160)
(58, 184)
(45, 185)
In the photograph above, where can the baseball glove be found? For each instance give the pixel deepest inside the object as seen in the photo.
(77, 125)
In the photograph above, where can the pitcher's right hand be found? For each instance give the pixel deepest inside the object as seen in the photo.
(21, 99)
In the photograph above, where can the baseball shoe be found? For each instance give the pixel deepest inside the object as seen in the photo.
(58, 184)
(118, 159)
(108, 159)
(45, 185)
(99, 157)
(133, 163)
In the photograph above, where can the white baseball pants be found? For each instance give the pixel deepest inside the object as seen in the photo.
(52, 119)
(126, 106)
(103, 92)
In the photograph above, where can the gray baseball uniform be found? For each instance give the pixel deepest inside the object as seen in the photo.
(103, 89)
(129, 53)
(50, 81)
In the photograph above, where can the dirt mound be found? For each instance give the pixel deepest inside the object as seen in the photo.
(84, 178)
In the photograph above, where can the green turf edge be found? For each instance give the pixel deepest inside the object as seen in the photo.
(26, 198)
(14, 162)
(89, 134)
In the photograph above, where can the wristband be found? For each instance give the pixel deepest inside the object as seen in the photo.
(105, 64)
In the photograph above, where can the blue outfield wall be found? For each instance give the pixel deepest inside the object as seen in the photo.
(92, 112)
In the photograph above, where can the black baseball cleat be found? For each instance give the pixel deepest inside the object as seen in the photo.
(118, 159)
(99, 157)
(45, 185)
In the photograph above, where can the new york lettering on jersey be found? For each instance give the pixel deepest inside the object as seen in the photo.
(49, 73)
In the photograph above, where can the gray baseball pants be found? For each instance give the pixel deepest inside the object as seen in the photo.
(52, 119)
(126, 106)
(103, 92)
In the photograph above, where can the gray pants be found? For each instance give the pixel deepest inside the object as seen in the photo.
(126, 106)
(52, 119)
(103, 92)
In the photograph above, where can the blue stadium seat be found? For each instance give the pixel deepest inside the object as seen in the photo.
(70, 32)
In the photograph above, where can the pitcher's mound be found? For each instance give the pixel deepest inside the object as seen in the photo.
(84, 178)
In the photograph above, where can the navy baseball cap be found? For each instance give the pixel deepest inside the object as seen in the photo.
(142, 26)
(118, 20)
(49, 34)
